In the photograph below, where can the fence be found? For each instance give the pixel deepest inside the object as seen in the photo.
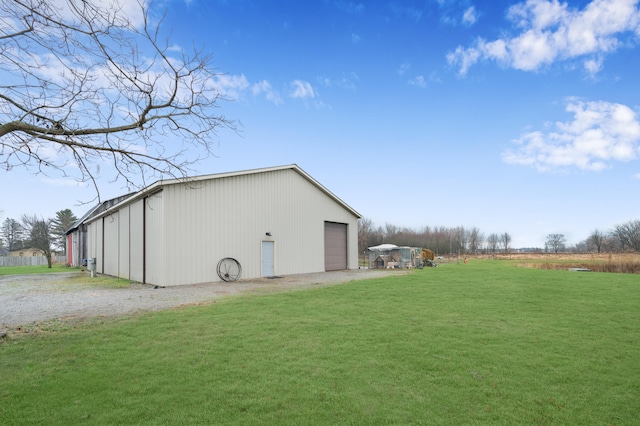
(30, 260)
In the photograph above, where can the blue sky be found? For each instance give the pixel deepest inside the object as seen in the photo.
(510, 116)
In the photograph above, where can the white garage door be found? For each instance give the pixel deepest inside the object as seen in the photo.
(335, 246)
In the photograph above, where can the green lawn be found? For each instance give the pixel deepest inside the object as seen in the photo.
(77, 281)
(43, 269)
(481, 343)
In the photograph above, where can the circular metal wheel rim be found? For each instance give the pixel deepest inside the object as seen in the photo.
(229, 269)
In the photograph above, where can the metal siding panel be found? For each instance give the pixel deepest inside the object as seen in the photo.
(188, 233)
(154, 244)
(136, 241)
(69, 248)
(111, 244)
(352, 244)
(124, 243)
(228, 217)
(94, 243)
(91, 240)
(98, 247)
(319, 208)
(82, 244)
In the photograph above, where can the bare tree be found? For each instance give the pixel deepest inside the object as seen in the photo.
(493, 241)
(438, 240)
(628, 235)
(556, 242)
(505, 240)
(88, 83)
(40, 236)
(597, 240)
(390, 231)
(475, 240)
(366, 231)
(581, 247)
(611, 244)
(12, 233)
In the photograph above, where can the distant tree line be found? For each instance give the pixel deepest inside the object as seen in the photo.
(33, 232)
(440, 239)
(623, 237)
(460, 240)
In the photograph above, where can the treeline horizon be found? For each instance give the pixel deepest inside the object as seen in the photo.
(33, 232)
(444, 240)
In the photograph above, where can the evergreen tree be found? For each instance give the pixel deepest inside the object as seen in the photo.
(59, 225)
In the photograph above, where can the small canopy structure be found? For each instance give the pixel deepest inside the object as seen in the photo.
(392, 256)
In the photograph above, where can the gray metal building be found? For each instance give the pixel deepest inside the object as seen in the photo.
(273, 221)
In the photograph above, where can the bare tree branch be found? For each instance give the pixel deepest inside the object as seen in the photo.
(88, 85)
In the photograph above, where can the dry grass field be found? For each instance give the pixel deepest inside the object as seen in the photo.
(628, 263)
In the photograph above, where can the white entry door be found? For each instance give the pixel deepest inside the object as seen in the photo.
(268, 259)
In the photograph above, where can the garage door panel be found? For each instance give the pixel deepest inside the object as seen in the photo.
(335, 246)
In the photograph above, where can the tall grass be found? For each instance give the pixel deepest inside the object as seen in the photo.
(628, 263)
(481, 343)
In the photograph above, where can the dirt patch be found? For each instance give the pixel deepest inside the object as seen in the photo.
(29, 299)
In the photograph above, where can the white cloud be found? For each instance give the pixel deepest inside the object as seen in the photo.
(593, 66)
(131, 11)
(319, 105)
(456, 12)
(64, 182)
(464, 58)
(418, 81)
(230, 85)
(301, 90)
(404, 68)
(470, 16)
(550, 31)
(347, 81)
(270, 94)
(599, 134)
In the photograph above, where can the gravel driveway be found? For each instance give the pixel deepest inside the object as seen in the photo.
(29, 299)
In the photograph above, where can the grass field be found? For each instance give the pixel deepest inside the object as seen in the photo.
(627, 263)
(480, 343)
(99, 281)
(43, 269)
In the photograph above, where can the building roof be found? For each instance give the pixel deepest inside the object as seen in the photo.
(98, 208)
(162, 183)
(389, 247)
(384, 247)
